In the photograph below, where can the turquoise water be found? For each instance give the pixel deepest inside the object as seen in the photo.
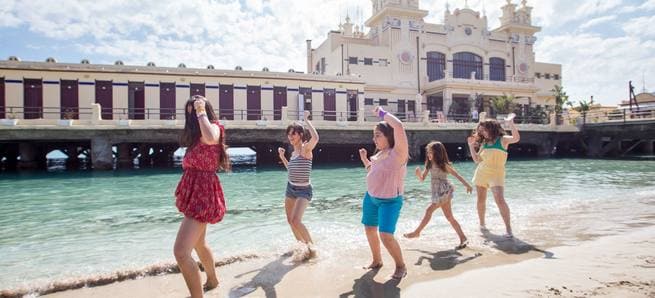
(59, 225)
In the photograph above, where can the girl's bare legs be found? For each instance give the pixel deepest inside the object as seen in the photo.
(499, 197)
(187, 238)
(207, 259)
(482, 204)
(446, 207)
(374, 244)
(288, 207)
(424, 222)
(393, 248)
(297, 212)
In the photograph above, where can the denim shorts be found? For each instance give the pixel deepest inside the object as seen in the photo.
(381, 213)
(299, 192)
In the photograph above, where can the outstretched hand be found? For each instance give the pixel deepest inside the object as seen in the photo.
(510, 118)
(306, 115)
(281, 151)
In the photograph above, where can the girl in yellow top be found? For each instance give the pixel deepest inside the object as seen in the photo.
(492, 142)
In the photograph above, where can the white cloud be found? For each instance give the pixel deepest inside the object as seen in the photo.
(597, 21)
(642, 26)
(593, 65)
(272, 33)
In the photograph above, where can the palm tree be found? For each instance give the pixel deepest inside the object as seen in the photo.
(560, 98)
(503, 104)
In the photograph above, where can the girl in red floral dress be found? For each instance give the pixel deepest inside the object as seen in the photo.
(199, 195)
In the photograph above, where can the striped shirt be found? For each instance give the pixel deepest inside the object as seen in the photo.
(299, 170)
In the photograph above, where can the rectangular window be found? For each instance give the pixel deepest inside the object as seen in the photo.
(368, 61)
(547, 76)
(383, 62)
(383, 101)
(555, 77)
(537, 75)
(352, 60)
(368, 101)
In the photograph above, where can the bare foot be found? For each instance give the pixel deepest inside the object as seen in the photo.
(462, 244)
(399, 273)
(210, 284)
(412, 235)
(373, 266)
(313, 252)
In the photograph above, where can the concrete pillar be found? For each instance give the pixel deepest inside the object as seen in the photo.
(28, 154)
(648, 147)
(101, 154)
(361, 115)
(125, 155)
(483, 116)
(145, 160)
(285, 114)
(415, 150)
(96, 115)
(426, 116)
(447, 101)
(72, 162)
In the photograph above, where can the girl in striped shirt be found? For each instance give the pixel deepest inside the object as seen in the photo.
(299, 187)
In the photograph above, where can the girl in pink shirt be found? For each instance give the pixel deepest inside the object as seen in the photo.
(385, 185)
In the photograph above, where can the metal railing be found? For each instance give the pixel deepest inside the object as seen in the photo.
(13, 112)
(615, 116)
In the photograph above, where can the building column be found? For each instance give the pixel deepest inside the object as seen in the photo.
(125, 155)
(447, 101)
(101, 154)
(73, 161)
(648, 147)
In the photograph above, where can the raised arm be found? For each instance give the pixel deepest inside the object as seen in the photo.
(401, 145)
(474, 154)
(211, 134)
(311, 144)
(515, 137)
(452, 171)
(421, 174)
(283, 158)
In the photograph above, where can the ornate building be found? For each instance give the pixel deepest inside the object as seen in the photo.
(454, 67)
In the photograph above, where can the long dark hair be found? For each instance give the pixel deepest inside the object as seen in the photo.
(493, 128)
(387, 131)
(298, 128)
(191, 134)
(439, 155)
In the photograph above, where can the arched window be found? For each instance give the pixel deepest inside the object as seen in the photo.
(436, 65)
(464, 63)
(497, 69)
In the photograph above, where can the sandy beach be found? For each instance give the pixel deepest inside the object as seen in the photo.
(618, 265)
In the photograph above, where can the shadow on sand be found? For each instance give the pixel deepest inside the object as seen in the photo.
(266, 278)
(367, 286)
(512, 245)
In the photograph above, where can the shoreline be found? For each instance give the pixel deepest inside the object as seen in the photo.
(336, 272)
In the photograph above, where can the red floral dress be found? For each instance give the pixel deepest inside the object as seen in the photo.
(199, 194)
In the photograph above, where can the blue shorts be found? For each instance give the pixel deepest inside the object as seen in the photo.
(299, 192)
(381, 213)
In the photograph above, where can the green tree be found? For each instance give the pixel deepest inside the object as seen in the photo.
(503, 104)
(560, 98)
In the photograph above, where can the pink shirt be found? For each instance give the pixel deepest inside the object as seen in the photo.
(386, 178)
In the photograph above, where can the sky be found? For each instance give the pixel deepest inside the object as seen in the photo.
(601, 44)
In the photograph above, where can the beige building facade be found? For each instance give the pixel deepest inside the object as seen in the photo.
(51, 90)
(452, 68)
(410, 67)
